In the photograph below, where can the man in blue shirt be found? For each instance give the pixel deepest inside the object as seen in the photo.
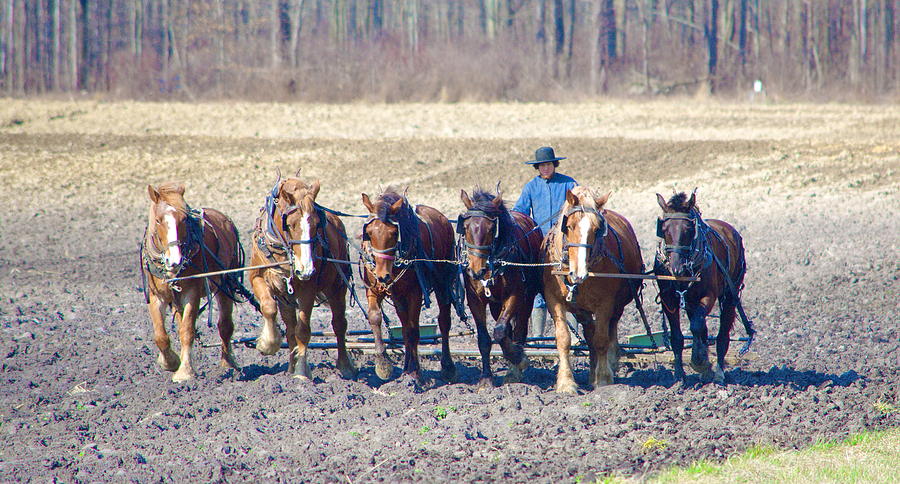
(542, 198)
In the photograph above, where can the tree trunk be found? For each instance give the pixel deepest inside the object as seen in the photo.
(711, 33)
(274, 28)
(559, 35)
(609, 27)
(572, 21)
(86, 55)
(73, 45)
(889, 74)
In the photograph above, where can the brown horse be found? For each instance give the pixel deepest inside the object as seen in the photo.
(492, 236)
(713, 250)
(181, 242)
(591, 239)
(394, 236)
(292, 229)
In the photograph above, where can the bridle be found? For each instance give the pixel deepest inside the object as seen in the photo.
(599, 233)
(698, 250)
(188, 245)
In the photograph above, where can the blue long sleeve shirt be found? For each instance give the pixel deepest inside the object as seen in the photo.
(541, 199)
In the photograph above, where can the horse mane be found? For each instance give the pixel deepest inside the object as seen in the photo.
(173, 194)
(483, 200)
(678, 203)
(305, 203)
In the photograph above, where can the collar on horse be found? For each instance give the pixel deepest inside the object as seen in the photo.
(495, 253)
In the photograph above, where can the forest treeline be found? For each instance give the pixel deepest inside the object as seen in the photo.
(449, 50)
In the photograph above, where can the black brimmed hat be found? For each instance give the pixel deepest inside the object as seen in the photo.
(543, 155)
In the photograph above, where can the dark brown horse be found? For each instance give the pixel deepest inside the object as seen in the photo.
(590, 239)
(713, 250)
(181, 242)
(491, 237)
(292, 229)
(394, 236)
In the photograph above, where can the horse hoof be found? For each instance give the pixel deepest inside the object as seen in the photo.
(485, 384)
(169, 364)
(348, 372)
(268, 348)
(384, 371)
(514, 375)
(180, 376)
(448, 373)
(567, 388)
(701, 368)
(719, 377)
(229, 362)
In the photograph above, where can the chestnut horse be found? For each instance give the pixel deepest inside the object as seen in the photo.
(590, 239)
(713, 250)
(181, 242)
(292, 229)
(492, 235)
(393, 236)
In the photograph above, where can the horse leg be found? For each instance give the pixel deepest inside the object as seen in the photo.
(337, 303)
(613, 353)
(408, 310)
(726, 322)
(676, 338)
(301, 334)
(503, 334)
(448, 369)
(565, 383)
(187, 316)
(269, 340)
(167, 358)
(601, 347)
(479, 313)
(226, 330)
(699, 347)
(289, 316)
(383, 365)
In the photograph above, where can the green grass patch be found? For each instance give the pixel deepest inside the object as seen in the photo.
(864, 457)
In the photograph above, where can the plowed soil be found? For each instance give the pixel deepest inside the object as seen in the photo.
(813, 189)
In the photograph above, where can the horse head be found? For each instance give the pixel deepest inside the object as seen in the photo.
(168, 230)
(583, 227)
(678, 232)
(298, 220)
(480, 229)
(382, 231)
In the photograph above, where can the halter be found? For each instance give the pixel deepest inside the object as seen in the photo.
(382, 253)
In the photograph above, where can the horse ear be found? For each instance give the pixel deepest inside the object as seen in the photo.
(571, 198)
(601, 201)
(298, 172)
(368, 204)
(153, 193)
(693, 199)
(499, 193)
(465, 199)
(314, 189)
(662, 203)
(399, 203)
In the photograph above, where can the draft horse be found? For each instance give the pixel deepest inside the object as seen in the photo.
(393, 237)
(589, 238)
(294, 230)
(490, 236)
(714, 251)
(181, 242)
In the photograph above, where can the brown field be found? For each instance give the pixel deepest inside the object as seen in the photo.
(813, 189)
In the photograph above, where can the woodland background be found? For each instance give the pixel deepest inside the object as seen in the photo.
(449, 50)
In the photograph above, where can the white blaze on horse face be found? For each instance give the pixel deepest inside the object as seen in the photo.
(173, 251)
(581, 268)
(304, 267)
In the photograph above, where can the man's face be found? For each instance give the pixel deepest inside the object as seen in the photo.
(546, 169)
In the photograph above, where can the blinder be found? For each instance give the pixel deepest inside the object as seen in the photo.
(678, 215)
(461, 222)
